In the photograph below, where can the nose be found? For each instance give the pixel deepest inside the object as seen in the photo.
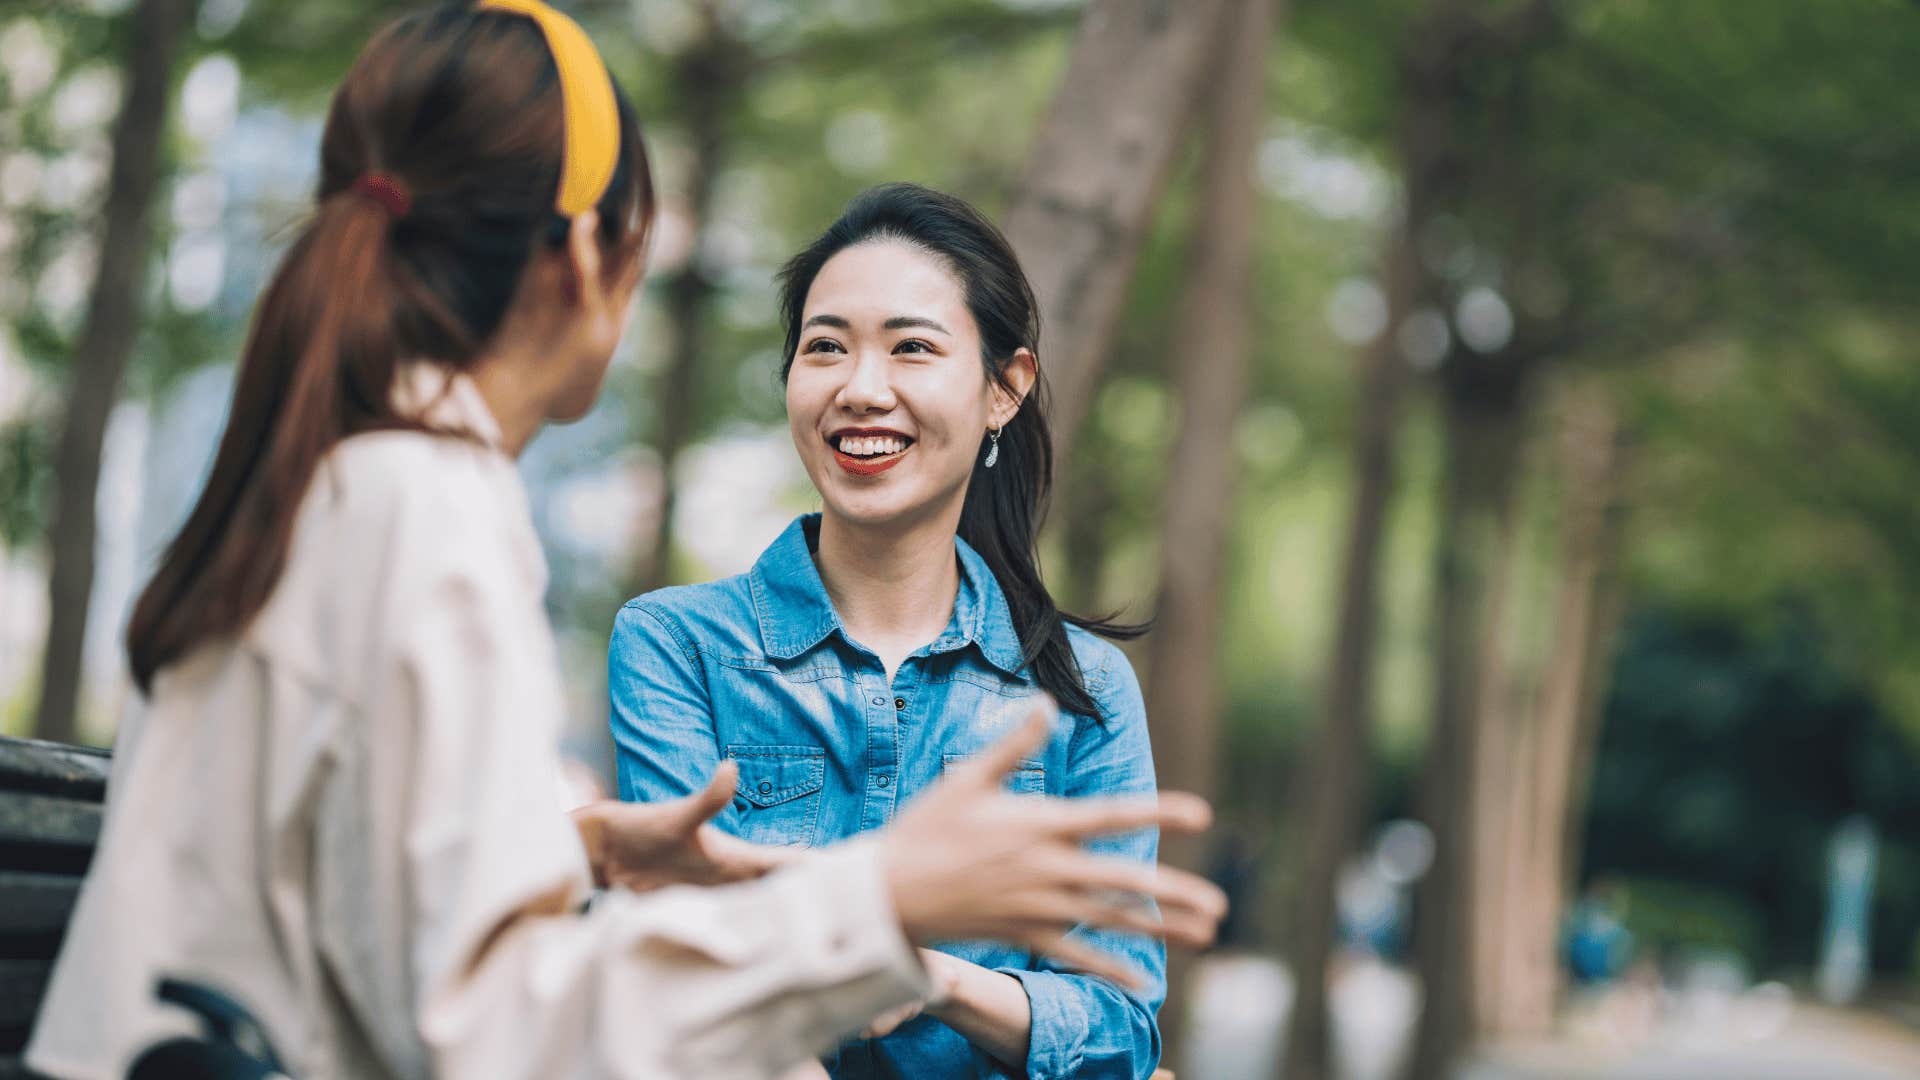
(869, 387)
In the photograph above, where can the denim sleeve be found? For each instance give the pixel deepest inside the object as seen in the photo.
(662, 721)
(1084, 1026)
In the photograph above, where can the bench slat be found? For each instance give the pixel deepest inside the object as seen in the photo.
(50, 817)
(28, 821)
(12, 1068)
(22, 984)
(36, 903)
(51, 768)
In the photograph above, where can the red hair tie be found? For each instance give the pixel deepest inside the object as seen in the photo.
(386, 191)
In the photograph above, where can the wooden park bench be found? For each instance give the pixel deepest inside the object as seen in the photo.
(50, 796)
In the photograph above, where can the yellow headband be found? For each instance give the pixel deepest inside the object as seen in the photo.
(586, 98)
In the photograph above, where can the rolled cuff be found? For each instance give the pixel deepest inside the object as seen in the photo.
(1058, 1028)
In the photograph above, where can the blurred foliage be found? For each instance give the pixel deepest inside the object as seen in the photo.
(1707, 201)
(1729, 754)
(1671, 921)
(24, 450)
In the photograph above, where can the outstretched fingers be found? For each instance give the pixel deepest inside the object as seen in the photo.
(1064, 909)
(735, 859)
(1190, 906)
(1174, 811)
(701, 807)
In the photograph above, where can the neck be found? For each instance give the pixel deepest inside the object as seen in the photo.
(894, 588)
(506, 382)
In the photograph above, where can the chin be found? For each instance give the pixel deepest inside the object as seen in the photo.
(577, 402)
(868, 513)
(880, 507)
(566, 412)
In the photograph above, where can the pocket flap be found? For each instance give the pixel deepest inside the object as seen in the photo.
(770, 775)
(1028, 778)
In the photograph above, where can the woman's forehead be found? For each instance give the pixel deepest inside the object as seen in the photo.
(882, 279)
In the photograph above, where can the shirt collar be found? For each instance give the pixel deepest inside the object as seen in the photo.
(444, 399)
(795, 613)
(450, 401)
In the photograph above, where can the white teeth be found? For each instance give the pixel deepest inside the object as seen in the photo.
(872, 445)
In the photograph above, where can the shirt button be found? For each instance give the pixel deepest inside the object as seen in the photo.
(883, 780)
(766, 786)
(899, 703)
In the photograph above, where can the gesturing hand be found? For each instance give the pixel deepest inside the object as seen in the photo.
(969, 860)
(942, 971)
(642, 846)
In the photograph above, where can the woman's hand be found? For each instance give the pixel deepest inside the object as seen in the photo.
(889, 1022)
(969, 860)
(642, 846)
(945, 976)
(989, 1008)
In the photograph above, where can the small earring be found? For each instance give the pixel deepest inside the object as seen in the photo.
(993, 449)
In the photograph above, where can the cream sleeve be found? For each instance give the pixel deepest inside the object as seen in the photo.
(451, 889)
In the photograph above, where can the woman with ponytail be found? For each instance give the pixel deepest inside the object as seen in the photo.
(341, 807)
(896, 634)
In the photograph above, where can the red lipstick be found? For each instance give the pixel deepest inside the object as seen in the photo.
(860, 466)
(863, 467)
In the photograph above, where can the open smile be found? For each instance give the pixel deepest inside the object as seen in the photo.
(868, 451)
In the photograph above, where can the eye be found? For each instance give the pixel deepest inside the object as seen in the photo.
(913, 345)
(818, 345)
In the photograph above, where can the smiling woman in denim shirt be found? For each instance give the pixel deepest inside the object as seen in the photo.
(904, 628)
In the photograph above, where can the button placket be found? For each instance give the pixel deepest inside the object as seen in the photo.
(884, 782)
(883, 755)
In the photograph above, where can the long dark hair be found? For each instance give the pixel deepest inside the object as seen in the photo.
(1004, 506)
(462, 107)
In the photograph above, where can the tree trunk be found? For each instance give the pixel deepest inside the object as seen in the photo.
(100, 357)
(1183, 681)
(1086, 500)
(1464, 58)
(1483, 419)
(1211, 380)
(1333, 774)
(1557, 750)
(1079, 215)
(708, 81)
(1505, 744)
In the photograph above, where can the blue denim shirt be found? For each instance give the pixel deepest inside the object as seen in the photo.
(758, 668)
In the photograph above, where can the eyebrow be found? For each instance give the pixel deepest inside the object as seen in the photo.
(905, 322)
(898, 322)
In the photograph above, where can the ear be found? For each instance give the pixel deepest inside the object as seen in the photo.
(1020, 375)
(583, 255)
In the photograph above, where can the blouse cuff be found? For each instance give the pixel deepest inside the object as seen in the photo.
(864, 942)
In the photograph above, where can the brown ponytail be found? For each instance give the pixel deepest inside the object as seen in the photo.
(462, 108)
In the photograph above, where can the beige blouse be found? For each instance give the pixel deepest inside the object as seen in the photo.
(345, 817)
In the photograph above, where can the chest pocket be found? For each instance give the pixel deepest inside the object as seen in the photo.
(1027, 778)
(778, 797)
